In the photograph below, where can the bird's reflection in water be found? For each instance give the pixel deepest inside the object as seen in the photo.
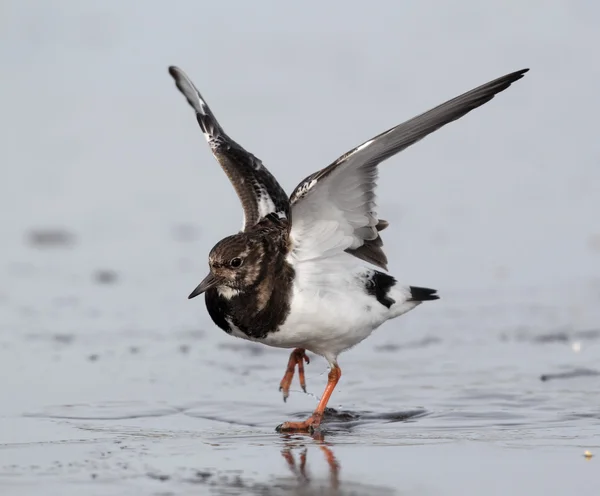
(296, 449)
(298, 468)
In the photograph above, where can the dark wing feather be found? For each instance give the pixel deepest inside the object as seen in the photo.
(343, 194)
(396, 139)
(257, 189)
(372, 249)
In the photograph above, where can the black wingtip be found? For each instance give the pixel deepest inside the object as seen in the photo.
(506, 81)
(423, 294)
(518, 74)
(502, 83)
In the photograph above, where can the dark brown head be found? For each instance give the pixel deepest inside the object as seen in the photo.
(235, 265)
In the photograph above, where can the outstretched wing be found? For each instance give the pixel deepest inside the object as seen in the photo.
(258, 190)
(334, 209)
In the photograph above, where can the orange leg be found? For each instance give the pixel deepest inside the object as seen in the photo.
(314, 420)
(297, 357)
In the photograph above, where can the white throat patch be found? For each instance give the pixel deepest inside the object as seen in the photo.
(227, 292)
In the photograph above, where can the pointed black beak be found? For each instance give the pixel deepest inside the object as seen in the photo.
(208, 282)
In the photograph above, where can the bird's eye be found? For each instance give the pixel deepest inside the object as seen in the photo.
(235, 262)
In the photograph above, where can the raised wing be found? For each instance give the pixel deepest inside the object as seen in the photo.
(334, 209)
(258, 190)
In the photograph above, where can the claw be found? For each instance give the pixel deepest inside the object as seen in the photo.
(297, 358)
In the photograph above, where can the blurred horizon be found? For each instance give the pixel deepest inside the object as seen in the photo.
(98, 141)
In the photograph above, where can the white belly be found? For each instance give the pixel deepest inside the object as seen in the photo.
(331, 311)
(327, 323)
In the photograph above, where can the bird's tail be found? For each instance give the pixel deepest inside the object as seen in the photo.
(422, 294)
(208, 123)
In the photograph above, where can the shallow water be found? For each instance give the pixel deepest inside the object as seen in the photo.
(449, 399)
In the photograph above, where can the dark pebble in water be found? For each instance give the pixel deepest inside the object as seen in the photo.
(93, 357)
(50, 238)
(134, 350)
(554, 337)
(184, 348)
(571, 374)
(104, 276)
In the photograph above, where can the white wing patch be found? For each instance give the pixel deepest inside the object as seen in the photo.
(304, 188)
(265, 204)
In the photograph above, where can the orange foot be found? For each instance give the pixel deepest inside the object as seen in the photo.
(297, 357)
(312, 422)
(309, 425)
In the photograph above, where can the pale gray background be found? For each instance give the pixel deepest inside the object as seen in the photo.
(499, 211)
(96, 138)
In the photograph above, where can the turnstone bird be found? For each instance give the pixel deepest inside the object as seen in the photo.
(308, 271)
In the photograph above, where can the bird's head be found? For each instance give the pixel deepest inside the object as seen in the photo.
(236, 263)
